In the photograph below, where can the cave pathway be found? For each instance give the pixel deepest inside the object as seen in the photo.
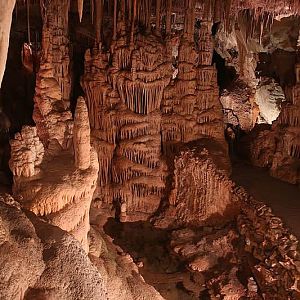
(282, 197)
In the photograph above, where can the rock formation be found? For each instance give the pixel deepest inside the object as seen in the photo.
(51, 179)
(59, 190)
(269, 97)
(202, 191)
(191, 105)
(278, 148)
(276, 269)
(81, 136)
(37, 260)
(239, 106)
(27, 153)
(55, 41)
(53, 120)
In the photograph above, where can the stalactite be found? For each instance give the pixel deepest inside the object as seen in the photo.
(133, 23)
(115, 20)
(129, 2)
(169, 17)
(157, 16)
(92, 10)
(99, 20)
(80, 8)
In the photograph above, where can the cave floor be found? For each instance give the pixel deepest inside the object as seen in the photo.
(282, 197)
(149, 245)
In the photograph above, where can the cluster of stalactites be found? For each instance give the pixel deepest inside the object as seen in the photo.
(161, 15)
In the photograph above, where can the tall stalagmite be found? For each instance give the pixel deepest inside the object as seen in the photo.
(81, 136)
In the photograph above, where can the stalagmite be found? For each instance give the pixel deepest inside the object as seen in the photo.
(115, 19)
(81, 135)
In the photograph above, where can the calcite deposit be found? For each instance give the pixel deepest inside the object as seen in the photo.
(121, 182)
(202, 192)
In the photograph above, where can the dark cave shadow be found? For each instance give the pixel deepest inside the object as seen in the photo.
(144, 243)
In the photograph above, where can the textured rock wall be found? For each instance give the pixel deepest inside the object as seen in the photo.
(27, 152)
(202, 191)
(274, 252)
(41, 261)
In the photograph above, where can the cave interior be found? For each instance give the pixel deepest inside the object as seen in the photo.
(149, 149)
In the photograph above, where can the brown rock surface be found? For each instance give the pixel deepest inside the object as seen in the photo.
(41, 261)
(202, 191)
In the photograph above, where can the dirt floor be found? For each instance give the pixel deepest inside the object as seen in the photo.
(148, 247)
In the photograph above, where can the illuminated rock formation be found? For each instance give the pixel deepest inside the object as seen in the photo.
(286, 158)
(269, 97)
(53, 121)
(145, 146)
(139, 170)
(239, 106)
(27, 153)
(125, 120)
(201, 193)
(61, 192)
(191, 105)
(101, 102)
